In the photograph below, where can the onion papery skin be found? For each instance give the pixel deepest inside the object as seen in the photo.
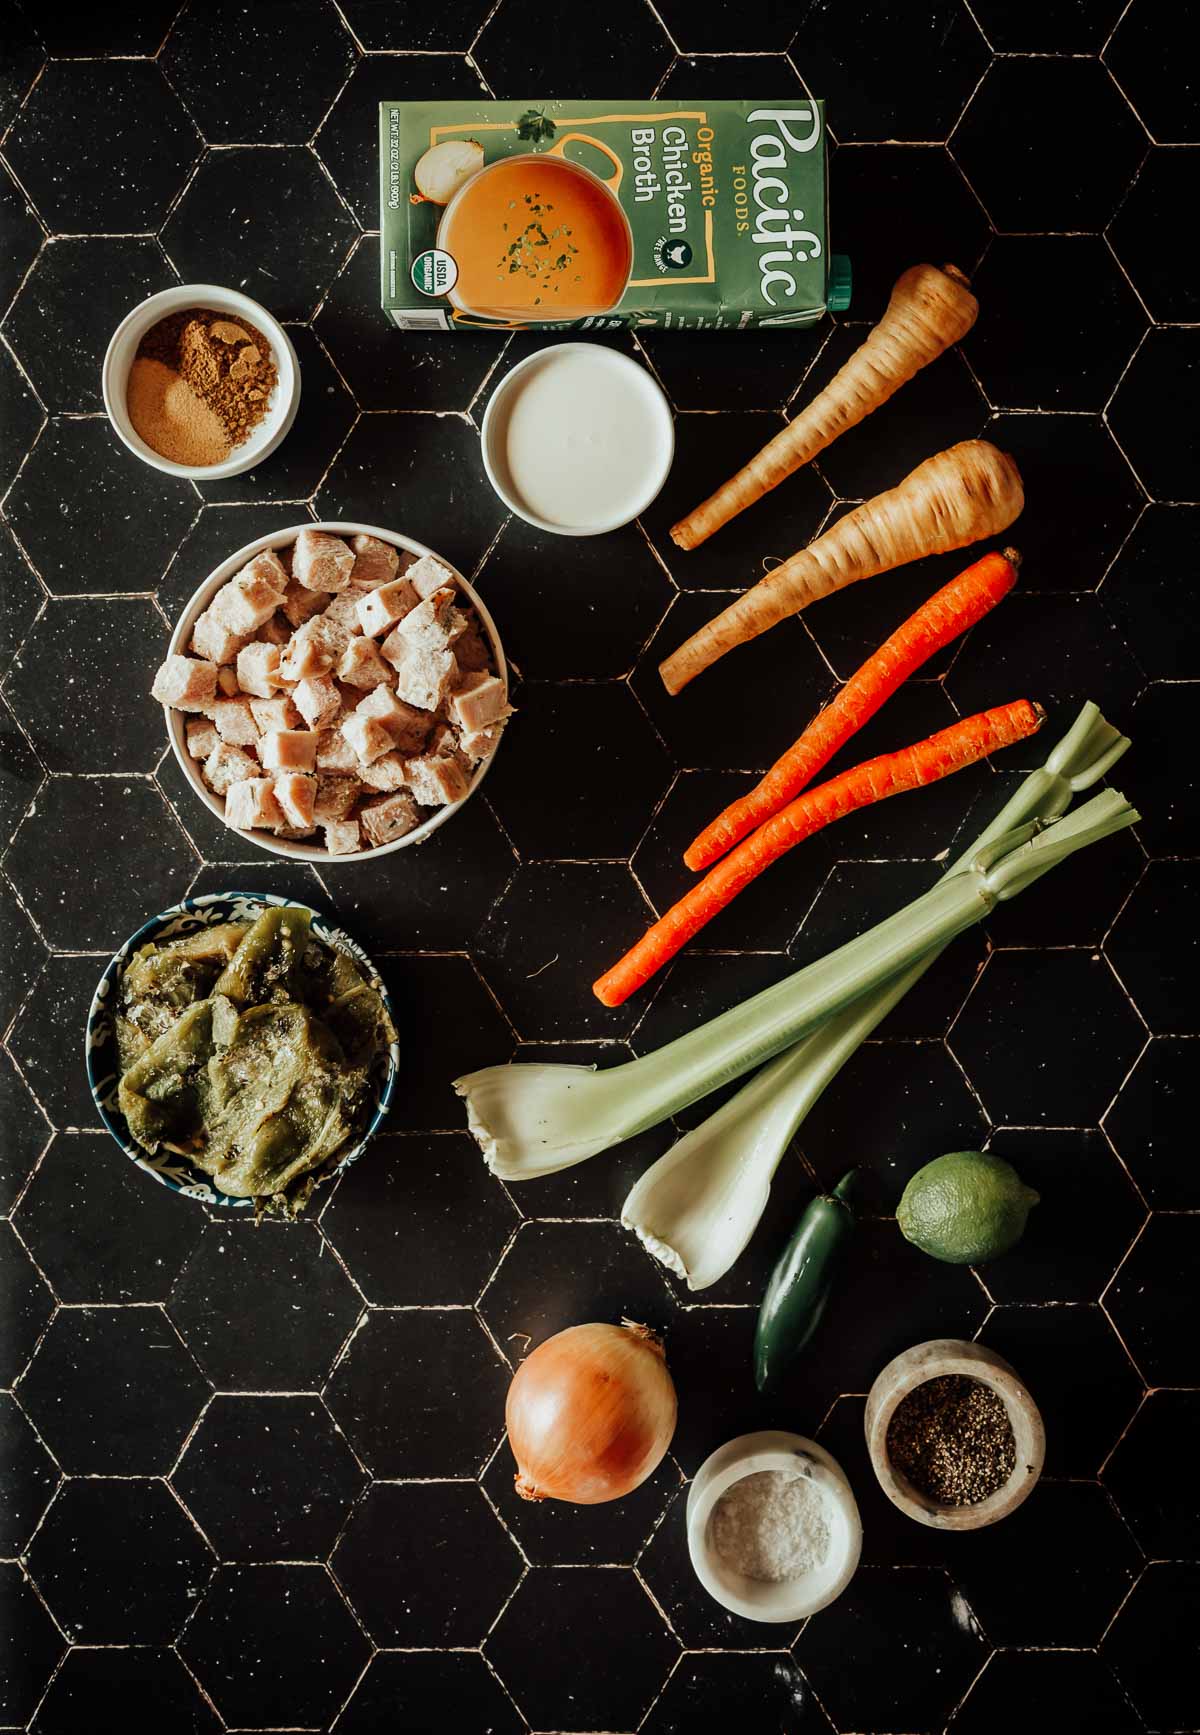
(590, 1414)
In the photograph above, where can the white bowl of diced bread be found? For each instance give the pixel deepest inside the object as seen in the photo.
(334, 692)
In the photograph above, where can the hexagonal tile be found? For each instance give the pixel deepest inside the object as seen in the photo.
(1153, 397)
(377, 24)
(1148, 1475)
(112, 1391)
(709, 725)
(30, 1477)
(129, 827)
(627, 50)
(105, 1591)
(384, 367)
(30, 1645)
(25, 1133)
(109, 643)
(1152, 75)
(431, 997)
(21, 416)
(134, 29)
(238, 1477)
(274, 1644)
(757, 77)
(1067, 172)
(114, 1676)
(245, 81)
(264, 1307)
(1080, 1377)
(541, 960)
(1150, 1295)
(724, 27)
(418, 1534)
(691, 367)
(623, 594)
(1046, 26)
(1167, 793)
(48, 1026)
(21, 773)
(770, 1691)
(21, 596)
(701, 1622)
(102, 1230)
(1152, 949)
(1056, 364)
(1147, 592)
(555, 1275)
(420, 1393)
(557, 1533)
(217, 533)
(114, 530)
(1013, 1681)
(420, 1221)
(534, 1648)
(120, 271)
(1046, 1038)
(403, 1684)
(28, 1304)
(1136, 228)
(915, 1642)
(25, 954)
(890, 1538)
(123, 171)
(1144, 1120)
(1142, 1647)
(1072, 910)
(235, 224)
(406, 473)
(878, 81)
(22, 236)
(24, 53)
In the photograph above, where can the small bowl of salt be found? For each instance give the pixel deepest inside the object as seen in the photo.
(773, 1527)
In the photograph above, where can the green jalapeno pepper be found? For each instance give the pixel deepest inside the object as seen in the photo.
(801, 1281)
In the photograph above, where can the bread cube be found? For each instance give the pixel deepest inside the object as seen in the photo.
(227, 682)
(367, 737)
(388, 818)
(228, 765)
(380, 609)
(317, 701)
(343, 608)
(433, 625)
(258, 669)
(341, 837)
(251, 804)
(476, 744)
(407, 726)
(427, 575)
(322, 562)
(315, 649)
(478, 700)
(235, 721)
(362, 666)
(268, 569)
(201, 737)
(334, 752)
(423, 678)
(375, 562)
(211, 638)
(387, 772)
(252, 596)
(276, 631)
(289, 750)
(275, 713)
(185, 683)
(471, 647)
(336, 795)
(299, 605)
(437, 779)
(296, 794)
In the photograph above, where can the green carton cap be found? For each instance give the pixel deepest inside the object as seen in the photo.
(841, 284)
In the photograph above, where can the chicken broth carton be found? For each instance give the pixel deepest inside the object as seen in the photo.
(591, 215)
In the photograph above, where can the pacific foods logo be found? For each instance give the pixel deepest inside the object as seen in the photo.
(774, 218)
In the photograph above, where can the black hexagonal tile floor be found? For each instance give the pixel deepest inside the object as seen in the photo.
(699, 371)
(769, 1690)
(47, 1027)
(1151, 1294)
(890, 1538)
(125, 168)
(1165, 790)
(1046, 26)
(21, 773)
(1142, 1648)
(296, 880)
(722, 27)
(255, 75)
(534, 1648)
(384, 367)
(120, 271)
(1137, 226)
(21, 596)
(129, 827)
(1152, 949)
(109, 643)
(26, 1131)
(1047, 1038)
(431, 996)
(235, 224)
(1149, 412)
(113, 1391)
(102, 1590)
(420, 1393)
(217, 533)
(1148, 592)
(1152, 75)
(21, 416)
(1013, 1681)
(25, 954)
(558, 1533)
(1066, 910)
(420, 1221)
(1079, 1375)
(274, 1645)
(238, 1476)
(377, 25)
(518, 51)
(400, 1563)
(264, 1307)
(916, 1646)
(879, 80)
(399, 1687)
(30, 1477)
(1147, 1475)
(148, 1676)
(28, 1304)
(22, 236)
(133, 29)
(1147, 1118)
(24, 53)
(1068, 171)
(30, 1645)
(541, 960)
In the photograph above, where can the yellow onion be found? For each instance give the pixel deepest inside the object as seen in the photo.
(590, 1413)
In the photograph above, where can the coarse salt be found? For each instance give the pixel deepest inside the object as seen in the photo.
(773, 1525)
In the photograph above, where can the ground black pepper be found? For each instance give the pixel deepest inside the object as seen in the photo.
(952, 1439)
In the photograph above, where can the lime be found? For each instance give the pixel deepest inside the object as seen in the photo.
(965, 1208)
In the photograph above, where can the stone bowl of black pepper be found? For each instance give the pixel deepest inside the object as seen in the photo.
(955, 1439)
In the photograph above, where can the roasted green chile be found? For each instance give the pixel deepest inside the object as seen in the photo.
(801, 1282)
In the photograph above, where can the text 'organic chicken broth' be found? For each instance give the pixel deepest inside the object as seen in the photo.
(602, 214)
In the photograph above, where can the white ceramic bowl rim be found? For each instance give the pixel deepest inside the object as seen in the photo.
(294, 849)
(285, 398)
(644, 381)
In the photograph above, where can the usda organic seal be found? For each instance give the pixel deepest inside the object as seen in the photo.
(434, 272)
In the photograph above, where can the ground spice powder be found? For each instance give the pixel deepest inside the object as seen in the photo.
(199, 384)
(952, 1439)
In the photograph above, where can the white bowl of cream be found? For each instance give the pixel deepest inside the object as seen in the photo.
(578, 439)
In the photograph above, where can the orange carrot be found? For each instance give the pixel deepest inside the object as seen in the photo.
(874, 780)
(929, 310)
(949, 612)
(961, 495)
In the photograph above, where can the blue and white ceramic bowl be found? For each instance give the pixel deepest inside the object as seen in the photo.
(172, 1170)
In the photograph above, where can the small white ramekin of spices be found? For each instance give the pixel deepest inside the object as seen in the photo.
(773, 1527)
